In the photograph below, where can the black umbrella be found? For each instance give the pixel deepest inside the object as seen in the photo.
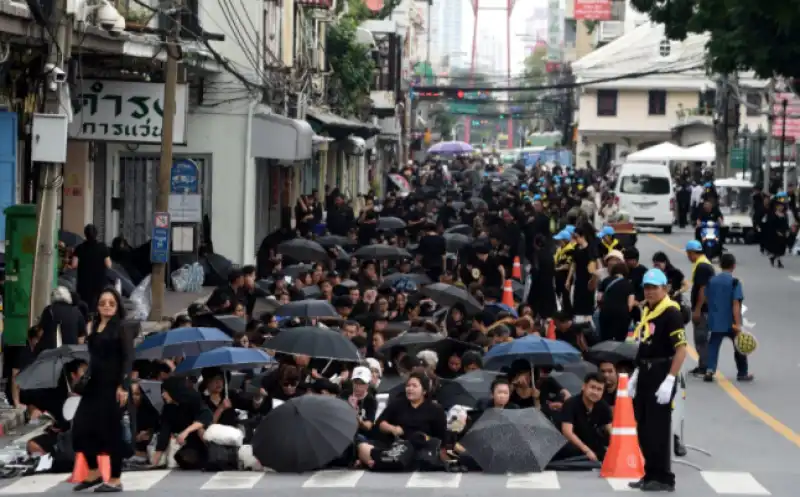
(478, 383)
(460, 229)
(295, 269)
(451, 393)
(381, 252)
(230, 324)
(45, 371)
(513, 441)
(579, 369)
(307, 309)
(116, 272)
(570, 382)
(418, 278)
(330, 241)
(300, 249)
(611, 351)
(305, 434)
(411, 339)
(450, 296)
(313, 341)
(390, 223)
(151, 390)
(70, 239)
(456, 241)
(477, 202)
(311, 292)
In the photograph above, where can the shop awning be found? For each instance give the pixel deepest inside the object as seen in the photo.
(280, 137)
(342, 126)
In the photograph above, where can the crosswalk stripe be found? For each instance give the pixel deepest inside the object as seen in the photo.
(143, 480)
(232, 480)
(733, 483)
(343, 478)
(35, 484)
(434, 480)
(621, 484)
(547, 480)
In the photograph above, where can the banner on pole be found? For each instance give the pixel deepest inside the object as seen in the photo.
(592, 10)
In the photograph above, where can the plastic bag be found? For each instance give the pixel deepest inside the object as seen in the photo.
(189, 278)
(142, 300)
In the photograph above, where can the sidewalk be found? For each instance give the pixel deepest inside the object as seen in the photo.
(174, 303)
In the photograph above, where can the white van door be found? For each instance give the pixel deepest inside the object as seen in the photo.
(646, 198)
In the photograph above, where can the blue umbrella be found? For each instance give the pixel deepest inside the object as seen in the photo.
(231, 358)
(497, 308)
(181, 342)
(539, 351)
(454, 147)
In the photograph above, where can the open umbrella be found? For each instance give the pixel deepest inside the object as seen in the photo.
(330, 241)
(313, 341)
(579, 369)
(450, 296)
(307, 309)
(229, 358)
(611, 351)
(70, 239)
(390, 223)
(305, 433)
(539, 351)
(451, 393)
(301, 249)
(181, 342)
(294, 270)
(478, 383)
(311, 292)
(418, 278)
(513, 441)
(570, 382)
(451, 147)
(381, 252)
(152, 392)
(45, 371)
(459, 229)
(456, 241)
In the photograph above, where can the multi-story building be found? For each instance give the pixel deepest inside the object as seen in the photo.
(452, 47)
(625, 115)
(581, 37)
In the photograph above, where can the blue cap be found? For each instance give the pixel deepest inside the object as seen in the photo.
(654, 277)
(562, 236)
(693, 246)
(537, 197)
(570, 228)
(523, 186)
(781, 195)
(606, 231)
(708, 184)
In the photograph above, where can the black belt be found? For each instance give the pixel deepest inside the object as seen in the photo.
(649, 363)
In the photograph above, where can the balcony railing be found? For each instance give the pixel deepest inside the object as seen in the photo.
(699, 115)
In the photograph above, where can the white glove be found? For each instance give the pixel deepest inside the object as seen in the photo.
(664, 393)
(632, 384)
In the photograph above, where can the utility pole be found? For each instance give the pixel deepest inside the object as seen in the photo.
(51, 178)
(159, 276)
(766, 170)
(784, 106)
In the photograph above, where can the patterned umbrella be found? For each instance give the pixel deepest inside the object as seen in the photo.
(451, 148)
(513, 441)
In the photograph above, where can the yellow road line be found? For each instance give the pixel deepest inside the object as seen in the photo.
(734, 393)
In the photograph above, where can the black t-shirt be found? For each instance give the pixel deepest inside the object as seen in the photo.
(610, 397)
(490, 270)
(616, 290)
(667, 335)
(432, 248)
(367, 408)
(702, 275)
(428, 418)
(91, 265)
(522, 402)
(636, 276)
(588, 425)
(674, 278)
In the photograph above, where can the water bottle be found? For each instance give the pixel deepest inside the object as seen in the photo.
(127, 436)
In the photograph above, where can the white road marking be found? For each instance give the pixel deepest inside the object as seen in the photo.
(621, 484)
(547, 480)
(796, 279)
(733, 483)
(35, 484)
(343, 478)
(143, 480)
(232, 480)
(434, 480)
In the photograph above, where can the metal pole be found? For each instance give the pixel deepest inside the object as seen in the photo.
(50, 179)
(784, 105)
(509, 10)
(158, 280)
(475, 9)
(430, 32)
(767, 168)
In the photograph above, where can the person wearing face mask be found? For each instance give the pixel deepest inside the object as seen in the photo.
(359, 396)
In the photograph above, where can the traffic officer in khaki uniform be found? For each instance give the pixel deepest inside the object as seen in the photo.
(662, 350)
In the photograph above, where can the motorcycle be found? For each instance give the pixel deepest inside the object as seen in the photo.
(709, 238)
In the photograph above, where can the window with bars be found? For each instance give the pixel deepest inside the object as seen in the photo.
(657, 102)
(607, 103)
(754, 103)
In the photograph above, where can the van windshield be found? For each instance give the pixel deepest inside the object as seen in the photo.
(645, 185)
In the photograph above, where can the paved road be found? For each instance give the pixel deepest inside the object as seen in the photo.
(751, 430)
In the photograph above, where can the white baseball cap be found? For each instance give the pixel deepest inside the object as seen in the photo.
(362, 373)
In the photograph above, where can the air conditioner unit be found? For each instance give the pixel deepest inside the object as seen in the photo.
(610, 30)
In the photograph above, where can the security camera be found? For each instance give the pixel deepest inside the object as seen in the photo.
(55, 73)
(108, 17)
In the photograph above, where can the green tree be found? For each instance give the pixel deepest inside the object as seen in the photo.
(749, 35)
(351, 63)
(535, 74)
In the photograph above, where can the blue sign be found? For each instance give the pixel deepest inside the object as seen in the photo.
(160, 238)
(563, 157)
(184, 177)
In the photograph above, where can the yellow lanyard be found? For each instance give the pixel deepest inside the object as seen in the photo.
(700, 260)
(610, 246)
(642, 330)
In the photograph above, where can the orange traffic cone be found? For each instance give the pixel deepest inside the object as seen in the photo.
(508, 294)
(550, 334)
(80, 471)
(516, 269)
(624, 458)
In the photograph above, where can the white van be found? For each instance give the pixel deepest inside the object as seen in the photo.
(646, 193)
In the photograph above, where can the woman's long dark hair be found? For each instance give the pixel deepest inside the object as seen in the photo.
(118, 317)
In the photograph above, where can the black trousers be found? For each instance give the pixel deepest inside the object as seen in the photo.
(654, 423)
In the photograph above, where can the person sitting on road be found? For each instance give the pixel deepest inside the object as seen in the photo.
(587, 421)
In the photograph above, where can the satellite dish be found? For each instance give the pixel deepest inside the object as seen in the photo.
(70, 407)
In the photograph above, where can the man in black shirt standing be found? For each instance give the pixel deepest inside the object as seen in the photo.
(662, 350)
(702, 272)
(432, 251)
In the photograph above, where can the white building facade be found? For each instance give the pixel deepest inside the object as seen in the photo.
(452, 45)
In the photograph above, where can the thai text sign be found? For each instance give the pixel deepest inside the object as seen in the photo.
(125, 111)
(792, 117)
(593, 10)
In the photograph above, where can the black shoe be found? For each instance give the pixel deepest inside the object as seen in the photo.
(106, 488)
(637, 485)
(780, 264)
(87, 484)
(709, 377)
(679, 448)
(657, 486)
(772, 261)
(698, 371)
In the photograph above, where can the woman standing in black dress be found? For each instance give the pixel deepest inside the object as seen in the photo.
(582, 273)
(97, 426)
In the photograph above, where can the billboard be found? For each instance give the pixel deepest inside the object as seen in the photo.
(593, 10)
(793, 113)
